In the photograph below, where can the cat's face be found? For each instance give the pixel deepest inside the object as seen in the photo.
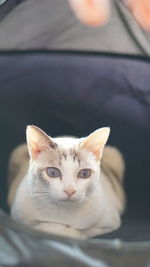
(64, 170)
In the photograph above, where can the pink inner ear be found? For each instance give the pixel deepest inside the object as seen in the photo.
(36, 150)
(97, 153)
(94, 149)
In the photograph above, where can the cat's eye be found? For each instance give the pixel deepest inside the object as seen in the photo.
(53, 172)
(84, 173)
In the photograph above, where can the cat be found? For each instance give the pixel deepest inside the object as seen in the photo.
(67, 187)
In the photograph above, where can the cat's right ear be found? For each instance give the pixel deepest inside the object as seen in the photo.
(96, 141)
(37, 141)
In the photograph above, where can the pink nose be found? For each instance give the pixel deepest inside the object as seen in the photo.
(70, 192)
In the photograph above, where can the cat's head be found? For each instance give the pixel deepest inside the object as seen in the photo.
(64, 169)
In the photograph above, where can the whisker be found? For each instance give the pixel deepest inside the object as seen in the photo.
(39, 197)
(40, 193)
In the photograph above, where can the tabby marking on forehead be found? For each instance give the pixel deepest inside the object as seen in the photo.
(75, 155)
(69, 154)
(53, 145)
(64, 155)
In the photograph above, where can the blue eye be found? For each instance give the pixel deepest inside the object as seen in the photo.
(84, 173)
(53, 172)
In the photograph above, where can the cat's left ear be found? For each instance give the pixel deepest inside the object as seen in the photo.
(96, 141)
(37, 141)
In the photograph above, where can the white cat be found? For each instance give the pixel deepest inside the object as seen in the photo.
(63, 190)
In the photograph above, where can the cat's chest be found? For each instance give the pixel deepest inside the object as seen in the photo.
(80, 217)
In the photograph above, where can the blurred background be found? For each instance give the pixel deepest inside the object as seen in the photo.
(67, 75)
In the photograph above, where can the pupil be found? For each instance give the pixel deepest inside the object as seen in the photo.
(54, 172)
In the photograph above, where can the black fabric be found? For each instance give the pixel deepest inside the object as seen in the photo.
(20, 246)
(74, 94)
(7, 6)
(52, 25)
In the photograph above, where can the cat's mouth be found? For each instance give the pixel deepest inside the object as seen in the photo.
(68, 199)
(73, 200)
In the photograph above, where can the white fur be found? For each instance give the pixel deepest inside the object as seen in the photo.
(91, 211)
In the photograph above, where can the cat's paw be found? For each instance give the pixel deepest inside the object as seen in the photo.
(74, 233)
(100, 229)
(60, 229)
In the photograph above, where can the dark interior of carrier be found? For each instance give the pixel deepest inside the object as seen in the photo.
(74, 94)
